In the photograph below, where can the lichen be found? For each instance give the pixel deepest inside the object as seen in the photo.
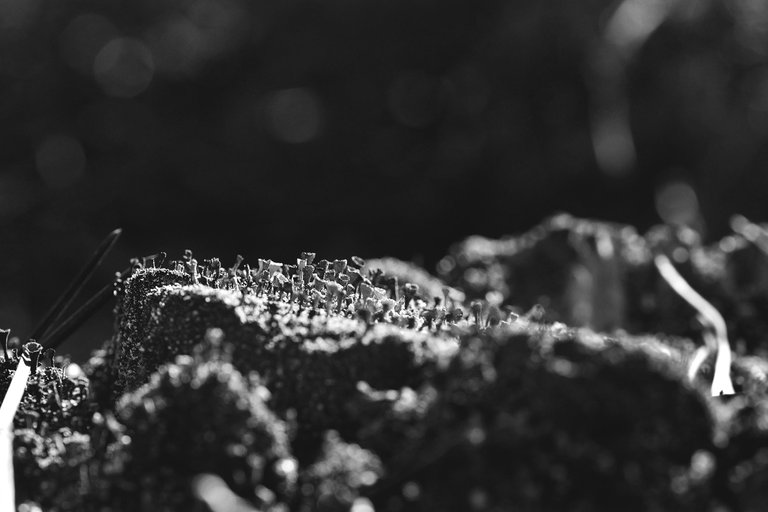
(601, 275)
(310, 351)
(51, 439)
(345, 385)
(539, 418)
(197, 416)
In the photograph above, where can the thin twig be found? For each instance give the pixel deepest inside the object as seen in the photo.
(721, 382)
(66, 299)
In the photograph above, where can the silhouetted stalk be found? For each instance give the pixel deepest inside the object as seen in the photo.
(66, 299)
(70, 324)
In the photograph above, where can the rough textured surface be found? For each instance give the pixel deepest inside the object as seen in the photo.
(742, 476)
(311, 359)
(199, 415)
(530, 417)
(601, 275)
(345, 385)
(336, 480)
(51, 443)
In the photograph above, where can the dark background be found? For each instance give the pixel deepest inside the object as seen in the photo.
(362, 127)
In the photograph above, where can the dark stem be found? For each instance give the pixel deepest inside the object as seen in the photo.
(66, 299)
(56, 337)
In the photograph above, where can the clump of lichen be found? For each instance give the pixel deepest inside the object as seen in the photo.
(576, 269)
(199, 415)
(51, 441)
(742, 476)
(102, 372)
(134, 312)
(529, 417)
(393, 270)
(408, 377)
(342, 473)
(311, 342)
(601, 275)
(345, 385)
(48, 467)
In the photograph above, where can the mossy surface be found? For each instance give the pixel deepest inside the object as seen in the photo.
(51, 441)
(601, 275)
(198, 416)
(345, 385)
(335, 481)
(310, 358)
(536, 418)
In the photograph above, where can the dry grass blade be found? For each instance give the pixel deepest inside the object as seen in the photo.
(8, 410)
(66, 299)
(7, 485)
(13, 395)
(721, 382)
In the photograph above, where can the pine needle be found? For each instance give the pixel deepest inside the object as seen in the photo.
(54, 337)
(76, 286)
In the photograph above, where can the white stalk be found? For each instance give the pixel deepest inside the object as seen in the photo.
(13, 396)
(8, 410)
(7, 484)
(721, 381)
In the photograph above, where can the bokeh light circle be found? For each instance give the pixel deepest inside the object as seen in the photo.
(124, 67)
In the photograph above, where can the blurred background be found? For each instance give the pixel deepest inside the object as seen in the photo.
(357, 127)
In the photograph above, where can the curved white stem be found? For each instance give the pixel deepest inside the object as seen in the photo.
(721, 382)
(697, 360)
